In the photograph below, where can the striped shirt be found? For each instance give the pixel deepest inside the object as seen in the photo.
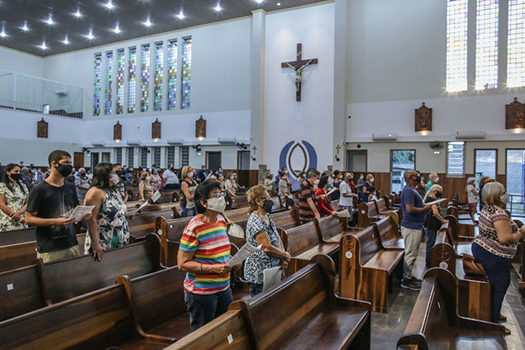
(210, 244)
(306, 190)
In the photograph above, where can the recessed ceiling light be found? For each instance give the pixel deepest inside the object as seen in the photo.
(90, 35)
(148, 23)
(77, 14)
(3, 34)
(25, 28)
(218, 8)
(66, 41)
(181, 15)
(117, 29)
(109, 5)
(50, 20)
(43, 46)
(259, 1)
(278, 4)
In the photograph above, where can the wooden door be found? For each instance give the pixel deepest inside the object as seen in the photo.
(78, 160)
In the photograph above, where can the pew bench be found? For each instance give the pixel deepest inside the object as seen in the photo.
(18, 236)
(20, 292)
(286, 219)
(464, 226)
(434, 323)
(332, 228)
(461, 245)
(389, 233)
(143, 223)
(367, 214)
(303, 312)
(383, 209)
(366, 268)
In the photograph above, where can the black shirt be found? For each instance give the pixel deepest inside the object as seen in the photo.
(49, 202)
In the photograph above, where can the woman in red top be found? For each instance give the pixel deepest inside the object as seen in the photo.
(324, 205)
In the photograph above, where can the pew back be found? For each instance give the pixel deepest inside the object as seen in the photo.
(18, 236)
(286, 219)
(301, 238)
(20, 292)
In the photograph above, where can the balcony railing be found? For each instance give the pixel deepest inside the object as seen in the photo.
(516, 205)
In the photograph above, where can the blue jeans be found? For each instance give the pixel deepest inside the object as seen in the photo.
(431, 240)
(498, 272)
(205, 308)
(189, 212)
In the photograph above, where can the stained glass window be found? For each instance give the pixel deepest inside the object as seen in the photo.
(97, 88)
(516, 44)
(121, 63)
(132, 79)
(457, 26)
(487, 44)
(144, 78)
(159, 74)
(186, 73)
(109, 82)
(172, 74)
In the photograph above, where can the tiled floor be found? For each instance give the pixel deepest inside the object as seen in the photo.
(388, 328)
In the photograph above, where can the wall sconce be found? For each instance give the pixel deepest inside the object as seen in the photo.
(117, 132)
(423, 121)
(515, 116)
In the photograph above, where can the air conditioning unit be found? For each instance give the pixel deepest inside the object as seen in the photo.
(133, 143)
(61, 92)
(384, 137)
(98, 143)
(175, 142)
(227, 140)
(470, 135)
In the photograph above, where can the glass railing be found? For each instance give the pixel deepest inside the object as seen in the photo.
(32, 94)
(516, 205)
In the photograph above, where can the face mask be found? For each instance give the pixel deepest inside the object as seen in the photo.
(64, 170)
(114, 178)
(436, 180)
(267, 205)
(504, 198)
(316, 182)
(438, 194)
(372, 181)
(190, 174)
(15, 177)
(417, 178)
(216, 204)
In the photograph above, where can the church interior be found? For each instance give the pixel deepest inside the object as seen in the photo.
(262, 174)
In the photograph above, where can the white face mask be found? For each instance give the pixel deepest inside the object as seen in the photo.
(504, 198)
(190, 174)
(217, 204)
(114, 178)
(316, 182)
(436, 180)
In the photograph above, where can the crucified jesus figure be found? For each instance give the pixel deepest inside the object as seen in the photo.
(299, 75)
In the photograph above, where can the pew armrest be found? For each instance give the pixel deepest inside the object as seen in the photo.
(465, 322)
(352, 303)
(158, 338)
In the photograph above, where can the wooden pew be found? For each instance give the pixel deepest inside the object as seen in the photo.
(367, 214)
(157, 301)
(20, 292)
(464, 227)
(434, 323)
(389, 233)
(366, 268)
(461, 244)
(97, 320)
(460, 232)
(518, 263)
(18, 236)
(383, 209)
(19, 255)
(332, 228)
(286, 219)
(303, 243)
(143, 223)
(303, 312)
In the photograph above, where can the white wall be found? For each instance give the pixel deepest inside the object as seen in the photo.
(21, 62)
(312, 118)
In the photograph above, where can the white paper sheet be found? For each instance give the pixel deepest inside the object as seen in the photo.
(80, 211)
(242, 254)
(436, 201)
(343, 213)
(136, 211)
(156, 196)
(272, 276)
(332, 191)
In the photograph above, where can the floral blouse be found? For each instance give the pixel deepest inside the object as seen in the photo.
(488, 238)
(255, 264)
(15, 200)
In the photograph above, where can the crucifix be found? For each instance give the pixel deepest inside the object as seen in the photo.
(299, 65)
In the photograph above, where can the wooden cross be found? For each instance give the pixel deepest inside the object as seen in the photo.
(298, 65)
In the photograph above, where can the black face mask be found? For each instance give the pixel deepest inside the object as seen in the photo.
(417, 178)
(64, 170)
(267, 205)
(438, 194)
(15, 177)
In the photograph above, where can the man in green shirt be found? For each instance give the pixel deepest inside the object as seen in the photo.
(432, 180)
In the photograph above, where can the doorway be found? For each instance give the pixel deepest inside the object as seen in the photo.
(400, 161)
(243, 160)
(213, 160)
(78, 160)
(357, 161)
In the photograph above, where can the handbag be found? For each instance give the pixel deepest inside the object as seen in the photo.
(272, 277)
(473, 268)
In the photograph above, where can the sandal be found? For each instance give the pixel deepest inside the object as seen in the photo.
(506, 331)
(502, 318)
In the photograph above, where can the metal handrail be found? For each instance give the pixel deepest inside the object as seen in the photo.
(516, 207)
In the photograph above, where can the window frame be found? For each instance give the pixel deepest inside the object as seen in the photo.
(446, 165)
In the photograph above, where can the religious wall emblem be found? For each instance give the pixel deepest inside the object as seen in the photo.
(42, 129)
(298, 157)
(299, 65)
(423, 119)
(515, 115)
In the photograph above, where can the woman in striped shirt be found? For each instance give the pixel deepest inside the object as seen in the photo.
(203, 253)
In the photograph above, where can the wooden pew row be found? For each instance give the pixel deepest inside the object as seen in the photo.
(367, 214)
(18, 255)
(383, 209)
(366, 268)
(143, 223)
(463, 226)
(435, 324)
(18, 236)
(29, 288)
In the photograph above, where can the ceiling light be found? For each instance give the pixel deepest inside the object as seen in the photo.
(218, 8)
(66, 41)
(90, 35)
(50, 20)
(148, 23)
(109, 5)
(181, 15)
(43, 46)
(259, 1)
(116, 29)
(77, 14)
(3, 34)
(278, 4)
(25, 28)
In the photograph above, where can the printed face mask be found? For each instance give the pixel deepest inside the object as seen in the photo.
(114, 178)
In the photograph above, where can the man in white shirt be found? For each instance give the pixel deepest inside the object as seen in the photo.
(170, 178)
(345, 199)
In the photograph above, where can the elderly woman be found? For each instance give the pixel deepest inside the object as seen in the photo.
(13, 199)
(261, 230)
(367, 186)
(433, 220)
(472, 195)
(203, 253)
(231, 185)
(496, 244)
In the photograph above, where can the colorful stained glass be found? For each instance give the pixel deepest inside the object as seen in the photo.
(159, 74)
(109, 82)
(172, 74)
(487, 44)
(457, 26)
(516, 44)
(132, 79)
(186, 73)
(144, 77)
(97, 88)
(121, 63)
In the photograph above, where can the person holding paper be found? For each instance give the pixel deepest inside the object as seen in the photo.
(145, 190)
(261, 230)
(433, 220)
(203, 254)
(324, 205)
(48, 202)
(108, 227)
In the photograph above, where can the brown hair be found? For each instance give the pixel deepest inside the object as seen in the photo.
(254, 193)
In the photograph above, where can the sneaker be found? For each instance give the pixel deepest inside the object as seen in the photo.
(416, 280)
(410, 284)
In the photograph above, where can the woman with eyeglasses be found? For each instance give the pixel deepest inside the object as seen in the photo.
(203, 253)
(13, 199)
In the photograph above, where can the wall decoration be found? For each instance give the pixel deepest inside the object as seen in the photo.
(200, 128)
(156, 130)
(515, 115)
(298, 157)
(117, 132)
(299, 65)
(42, 129)
(423, 121)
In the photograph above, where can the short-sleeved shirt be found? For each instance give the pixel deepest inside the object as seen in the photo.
(170, 177)
(364, 196)
(47, 202)
(306, 190)
(488, 238)
(410, 196)
(84, 182)
(429, 184)
(344, 187)
(283, 184)
(259, 261)
(472, 198)
(210, 244)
